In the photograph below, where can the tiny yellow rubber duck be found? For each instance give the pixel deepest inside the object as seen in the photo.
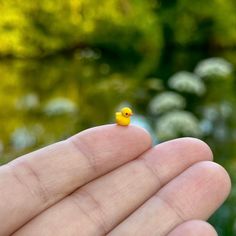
(123, 117)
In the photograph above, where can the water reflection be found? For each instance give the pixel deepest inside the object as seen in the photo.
(60, 95)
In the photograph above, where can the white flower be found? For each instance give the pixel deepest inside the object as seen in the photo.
(60, 106)
(206, 126)
(22, 138)
(214, 67)
(211, 113)
(88, 53)
(29, 101)
(187, 82)
(166, 101)
(176, 124)
(226, 109)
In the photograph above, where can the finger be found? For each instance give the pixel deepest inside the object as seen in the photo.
(103, 203)
(36, 181)
(195, 194)
(194, 228)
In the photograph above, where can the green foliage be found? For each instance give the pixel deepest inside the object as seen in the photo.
(127, 28)
(194, 23)
(39, 28)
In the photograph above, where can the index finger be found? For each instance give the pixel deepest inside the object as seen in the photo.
(36, 181)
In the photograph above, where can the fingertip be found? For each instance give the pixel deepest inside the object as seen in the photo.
(212, 185)
(199, 190)
(220, 175)
(194, 228)
(201, 145)
(194, 147)
(143, 134)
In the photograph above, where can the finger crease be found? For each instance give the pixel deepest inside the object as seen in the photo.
(177, 211)
(84, 149)
(39, 190)
(152, 171)
(98, 216)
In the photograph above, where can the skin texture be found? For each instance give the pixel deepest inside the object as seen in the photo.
(108, 180)
(194, 228)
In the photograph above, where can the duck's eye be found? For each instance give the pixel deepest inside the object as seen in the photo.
(126, 113)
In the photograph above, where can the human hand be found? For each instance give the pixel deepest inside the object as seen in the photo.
(109, 181)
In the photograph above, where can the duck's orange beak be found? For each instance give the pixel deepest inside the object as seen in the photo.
(131, 113)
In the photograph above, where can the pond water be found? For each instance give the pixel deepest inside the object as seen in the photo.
(48, 100)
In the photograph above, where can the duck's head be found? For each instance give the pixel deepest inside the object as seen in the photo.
(126, 112)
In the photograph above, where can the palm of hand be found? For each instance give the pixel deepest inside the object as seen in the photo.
(109, 181)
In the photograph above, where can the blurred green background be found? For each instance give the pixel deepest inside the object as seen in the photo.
(69, 65)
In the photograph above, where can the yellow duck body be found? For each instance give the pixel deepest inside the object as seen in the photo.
(123, 117)
(122, 120)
